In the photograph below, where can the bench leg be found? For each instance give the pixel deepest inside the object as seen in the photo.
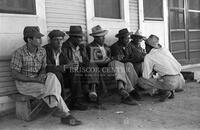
(23, 110)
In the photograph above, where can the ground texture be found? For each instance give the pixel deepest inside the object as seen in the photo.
(181, 113)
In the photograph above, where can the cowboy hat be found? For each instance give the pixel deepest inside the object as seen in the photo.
(139, 34)
(98, 31)
(153, 41)
(75, 31)
(123, 32)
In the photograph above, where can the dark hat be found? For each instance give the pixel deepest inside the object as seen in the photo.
(153, 41)
(32, 31)
(75, 31)
(123, 32)
(56, 33)
(98, 31)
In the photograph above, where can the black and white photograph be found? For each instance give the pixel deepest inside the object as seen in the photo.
(99, 64)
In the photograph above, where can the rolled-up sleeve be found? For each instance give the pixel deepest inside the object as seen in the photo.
(16, 61)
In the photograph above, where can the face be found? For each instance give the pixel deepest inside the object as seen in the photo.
(125, 40)
(36, 41)
(77, 40)
(148, 48)
(57, 42)
(100, 39)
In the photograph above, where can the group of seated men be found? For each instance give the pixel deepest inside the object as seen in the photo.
(44, 72)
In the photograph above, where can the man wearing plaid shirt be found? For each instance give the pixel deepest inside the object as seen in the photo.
(28, 65)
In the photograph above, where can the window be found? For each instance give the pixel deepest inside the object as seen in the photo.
(18, 6)
(107, 9)
(153, 9)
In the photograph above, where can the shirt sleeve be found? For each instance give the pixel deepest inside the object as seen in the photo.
(16, 61)
(44, 60)
(147, 68)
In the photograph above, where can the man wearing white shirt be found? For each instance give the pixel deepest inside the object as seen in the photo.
(159, 60)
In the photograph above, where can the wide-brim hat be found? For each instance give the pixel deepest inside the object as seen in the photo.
(32, 31)
(139, 34)
(98, 31)
(153, 41)
(75, 31)
(123, 32)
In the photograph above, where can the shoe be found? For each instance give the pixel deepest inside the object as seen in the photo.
(179, 90)
(70, 120)
(78, 106)
(172, 95)
(165, 95)
(123, 93)
(136, 95)
(129, 101)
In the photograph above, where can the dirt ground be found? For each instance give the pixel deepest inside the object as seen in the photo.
(181, 113)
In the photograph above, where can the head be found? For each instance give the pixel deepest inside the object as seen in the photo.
(123, 36)
(136, 39)
(147, 47)
(152, 42)
(76, 40)
(124, 40)
(99, 40)
(56, 38)
(76, 35)
(99, 34)
(33, 36)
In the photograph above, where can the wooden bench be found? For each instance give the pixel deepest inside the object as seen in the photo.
(25, 108)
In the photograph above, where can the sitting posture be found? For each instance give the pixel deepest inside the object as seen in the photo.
(159, 60)
(135, 52)
(28, 65)
(124, 71)
(81, 78)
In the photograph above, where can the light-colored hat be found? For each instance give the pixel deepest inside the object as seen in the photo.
(138, 33)
(98, 31)
(153, 41)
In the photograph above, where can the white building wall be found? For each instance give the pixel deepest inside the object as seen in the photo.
(60, 14)
(159, 28)
(12, 25)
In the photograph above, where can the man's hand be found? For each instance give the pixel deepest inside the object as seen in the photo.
(41, 78)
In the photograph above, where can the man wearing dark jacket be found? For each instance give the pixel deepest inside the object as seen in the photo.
(127, 76)
(83, 73)
(59, 64)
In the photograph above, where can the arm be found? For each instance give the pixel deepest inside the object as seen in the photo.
(147, 68)
(18, 76)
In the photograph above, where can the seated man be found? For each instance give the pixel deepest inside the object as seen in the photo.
(28, 65)
(57, 63)
(160, 60)
(99, 53)
(80, 74)
(125, 73)
(136, 52)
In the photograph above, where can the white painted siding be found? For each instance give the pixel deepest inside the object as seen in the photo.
(12, 25)
(112, 25)
(60, 14)
(134, 15)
